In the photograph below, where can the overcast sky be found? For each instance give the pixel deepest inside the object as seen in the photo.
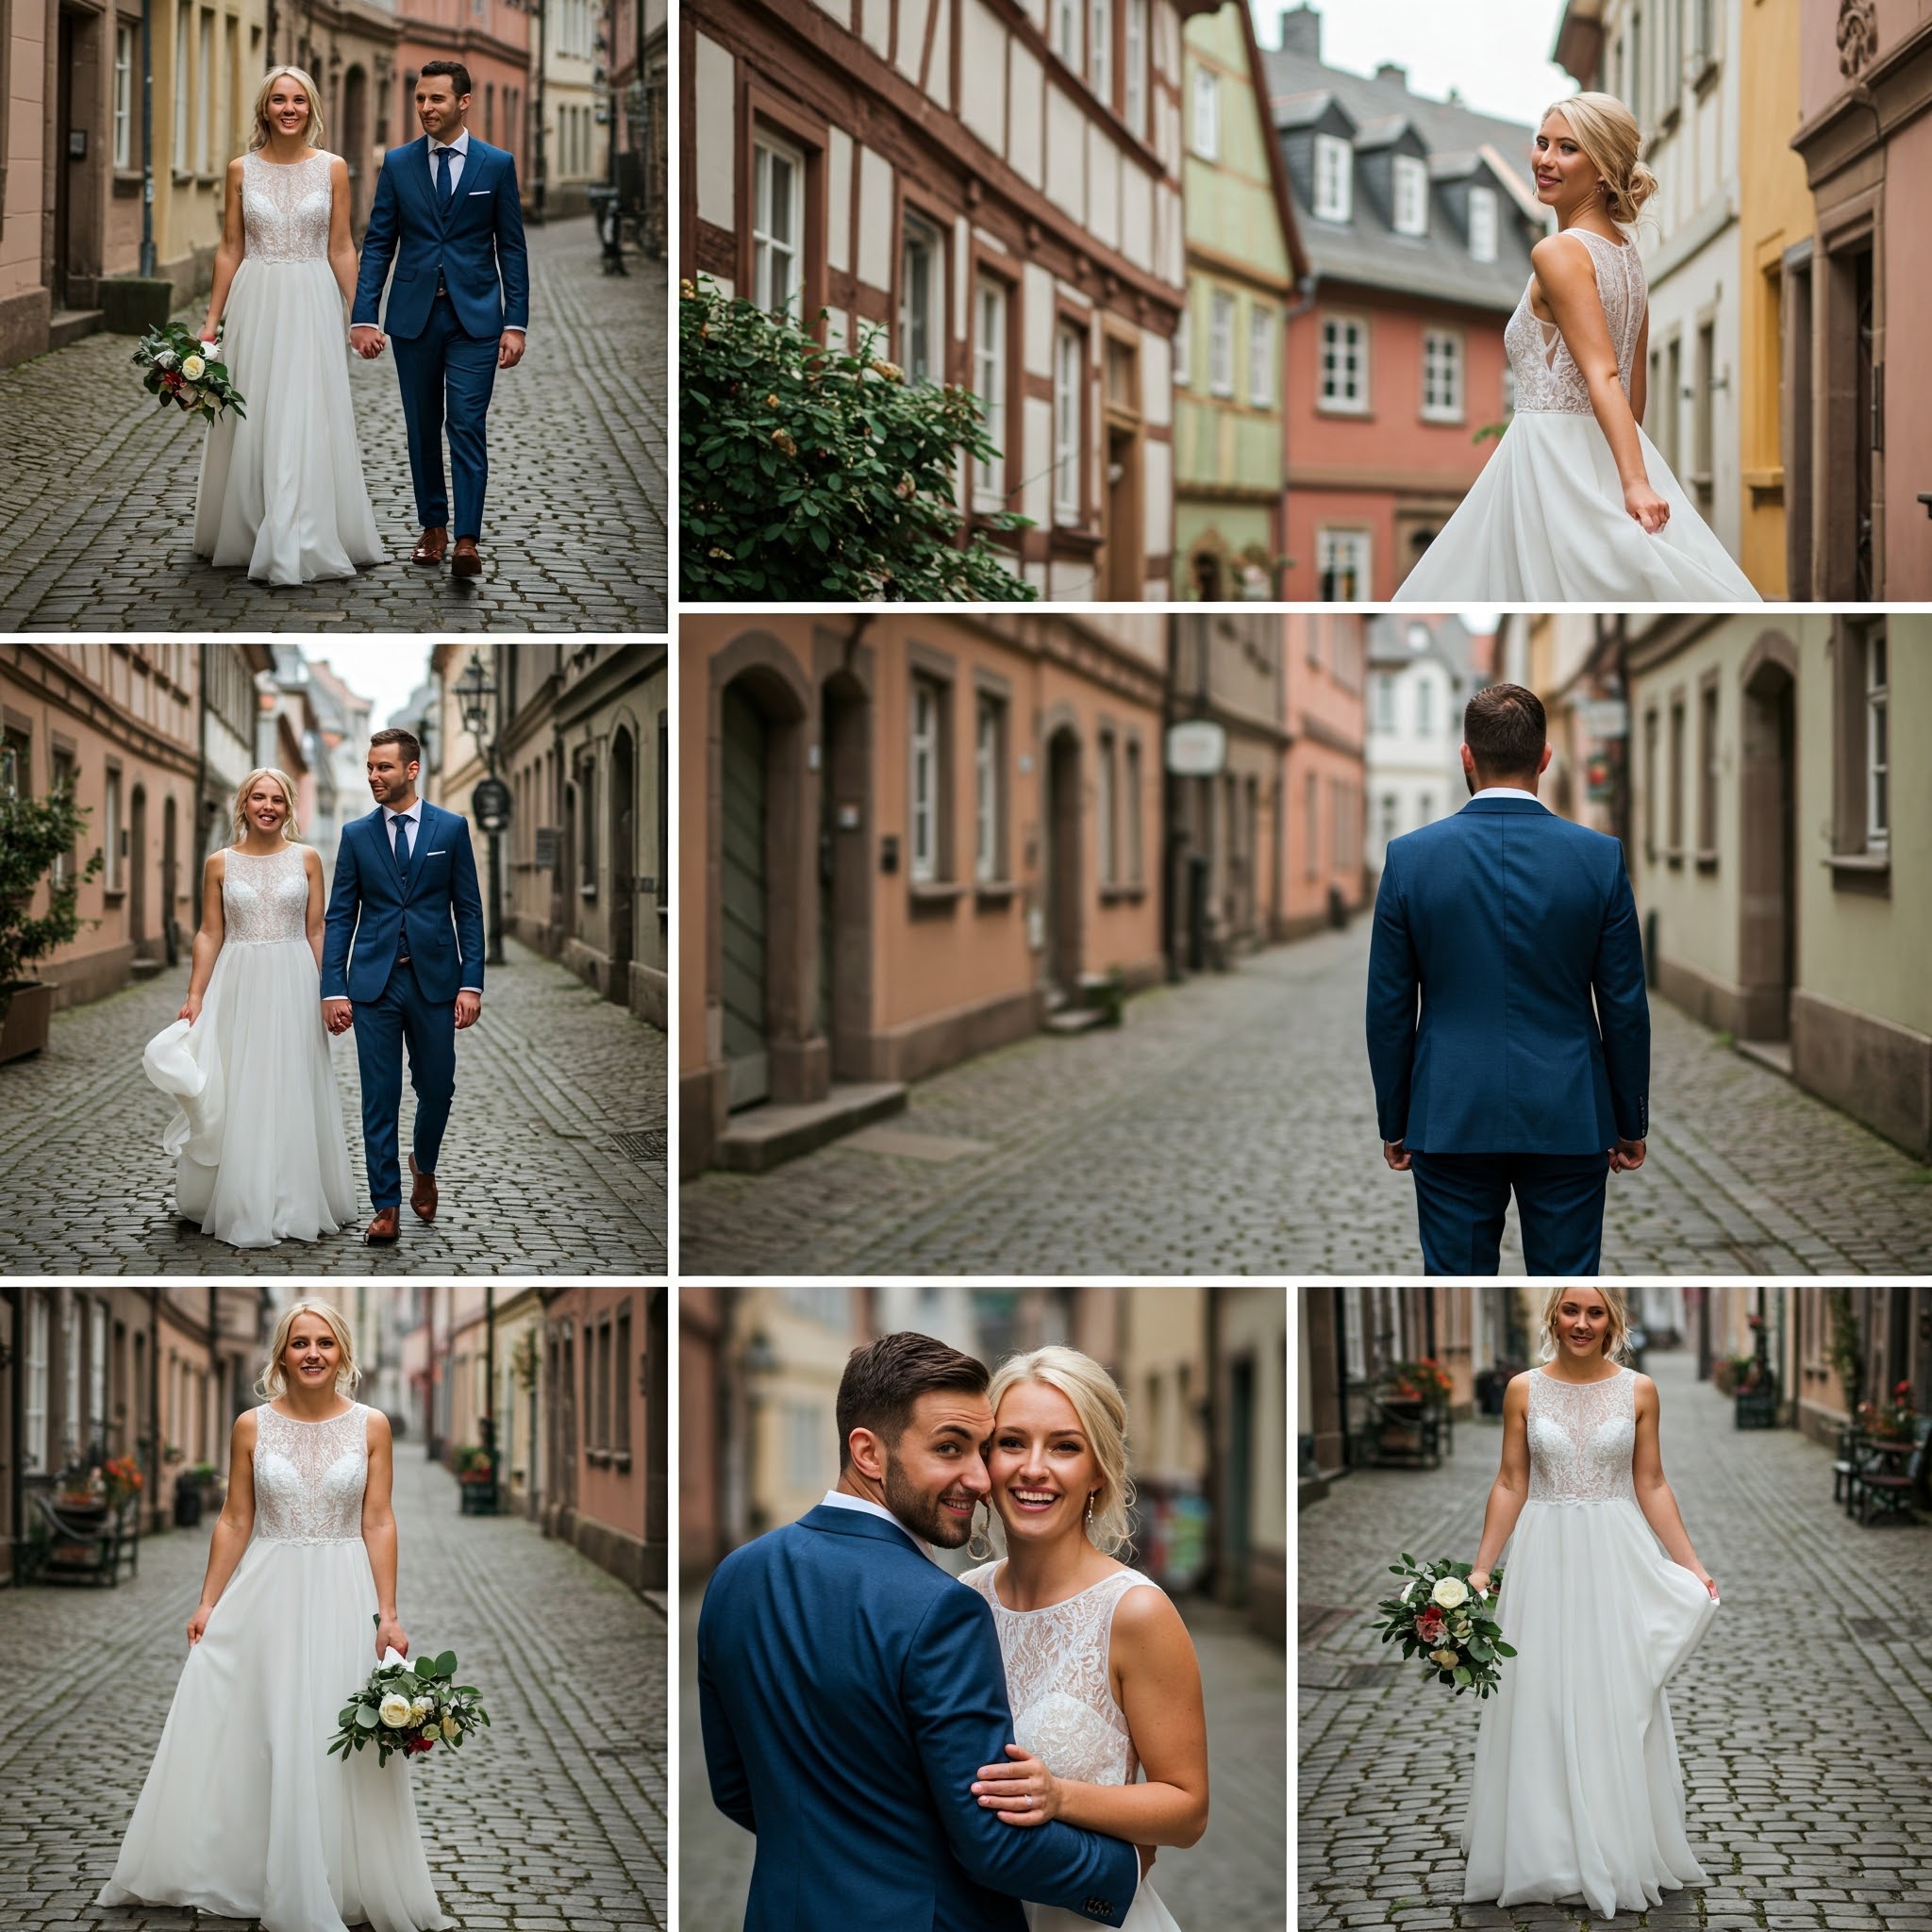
(385, 671)
(1495, 53)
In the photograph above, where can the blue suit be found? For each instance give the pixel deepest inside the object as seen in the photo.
(1508, 1031)
(461, 278)
(417, 942)
(849, 1691)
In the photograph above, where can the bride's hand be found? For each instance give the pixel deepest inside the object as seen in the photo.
(1647, 507)
(198, 1623)
(191, 1008)
(1022, 1793)
(389, 1635)
(1479, 1582)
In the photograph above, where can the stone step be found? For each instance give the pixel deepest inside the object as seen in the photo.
(148, 969)
(763, 1138)
(1075, 1020)
(70, 325)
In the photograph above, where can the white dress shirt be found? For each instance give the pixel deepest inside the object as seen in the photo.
(413, 813)
(1509, 792)
(837, 1499)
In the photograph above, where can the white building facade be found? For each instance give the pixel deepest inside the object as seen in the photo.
(1420, 678)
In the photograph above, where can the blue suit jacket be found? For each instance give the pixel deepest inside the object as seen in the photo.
(442, 911)
(480, 248)
(1507, 1008)
(849, 1691)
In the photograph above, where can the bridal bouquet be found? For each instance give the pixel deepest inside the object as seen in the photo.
(177, 367)
(408, 1707)
(1440, 1618)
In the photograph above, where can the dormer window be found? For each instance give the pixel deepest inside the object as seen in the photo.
(1482, 225)
(1333, 179)
(1411, 196)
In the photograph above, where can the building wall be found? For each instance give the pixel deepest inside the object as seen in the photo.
(492, 38)
(1250, 1380)
(577, 145)
(1414, 768)
(1324, 770)
(350, 47)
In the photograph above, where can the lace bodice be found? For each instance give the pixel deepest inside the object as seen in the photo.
(309, 1477)
(1581, 1439)
(264, 898)
(1547, 377)
(1057, 1682)
(285, 209)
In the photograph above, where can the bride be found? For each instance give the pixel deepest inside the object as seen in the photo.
(1578, 1788)
(281, 489)
(1576, 505)
(243, 1814)
(1100, 1670)
(257, 1139)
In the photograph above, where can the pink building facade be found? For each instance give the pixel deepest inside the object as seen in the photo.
(1325, 669)
(492, 38)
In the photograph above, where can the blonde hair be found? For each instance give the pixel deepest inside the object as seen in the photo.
(273, 1382)
(238, 816)
(312, 134)
(1616, 1340)
(1102, 1412)
(1607, 133)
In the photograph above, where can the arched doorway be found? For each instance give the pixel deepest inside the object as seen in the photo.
(1061, 817)
(356, 145)
(1767, 933)
(623, 863)
(170, 883)
(137, 871)
(844, 991)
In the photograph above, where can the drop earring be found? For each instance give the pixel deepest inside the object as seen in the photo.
(1090, 1509)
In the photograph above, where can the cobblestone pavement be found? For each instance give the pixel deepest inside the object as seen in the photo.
(97, 506)
(1806, 1740)
(553, 1163)
(1235, 1880)
(1230, 1128)
(554, 1820)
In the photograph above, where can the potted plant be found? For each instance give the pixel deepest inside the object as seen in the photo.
(35, 835)
(121, 1481)
(208, 1480)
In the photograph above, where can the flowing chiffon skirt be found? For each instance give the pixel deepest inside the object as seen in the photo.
(1545, 524)
(260, 1154)
(1577, 1787)
(244, 1814)
(281, 489)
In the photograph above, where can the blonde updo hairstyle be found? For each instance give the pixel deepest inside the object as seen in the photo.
(1607, 133)
(1616, 1340)
(1102, 1411)
(239, 817)
(273, 1382)
(311, 134)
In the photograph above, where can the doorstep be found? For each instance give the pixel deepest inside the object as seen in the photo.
(763, 1138)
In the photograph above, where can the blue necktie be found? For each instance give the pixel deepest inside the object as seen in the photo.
(445, 182)
(402, 825)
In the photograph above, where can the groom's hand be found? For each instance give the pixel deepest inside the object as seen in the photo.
(366, 339)
(1626, 1155)
(468, 1005)
(338, 1015)
(1396, 1155)
(509, 349)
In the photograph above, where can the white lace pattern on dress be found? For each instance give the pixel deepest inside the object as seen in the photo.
(1547, 377)
(1581, 1438)
(1057, 1682)
(309, 1477)
(264, 897)
(285, 210)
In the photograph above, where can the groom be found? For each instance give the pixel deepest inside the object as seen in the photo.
(406, 893)
(850, 1690)
(447, 214)
(1508, 1027)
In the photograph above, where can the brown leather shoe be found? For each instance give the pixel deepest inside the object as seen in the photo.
(430, 547)
(423, 1195)
(386, 1227)
(467, 562)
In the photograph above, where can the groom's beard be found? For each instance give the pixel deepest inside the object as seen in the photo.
(921, 1513)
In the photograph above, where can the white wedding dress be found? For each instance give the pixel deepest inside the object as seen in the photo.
(1545, 523)
(1064, 1711)
(281, 489)
(1578, 1788)
(259, 1150)
(244, 1814)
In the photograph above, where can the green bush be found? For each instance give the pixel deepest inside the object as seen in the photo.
(806, 473)
(34, 832)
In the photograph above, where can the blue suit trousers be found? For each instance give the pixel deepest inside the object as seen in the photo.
(447, 378)
(428, 1027)
(1461, 1200)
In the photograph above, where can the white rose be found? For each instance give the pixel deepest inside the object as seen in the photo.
(192, 368)
(394, 1711)
(1452, 1594)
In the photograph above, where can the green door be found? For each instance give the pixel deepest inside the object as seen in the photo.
(743, 899)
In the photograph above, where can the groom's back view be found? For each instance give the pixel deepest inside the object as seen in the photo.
(1508, 1029)
(850, 1690)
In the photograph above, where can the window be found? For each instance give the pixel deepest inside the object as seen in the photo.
(1424, 705)
(1184, 345)
(1676, 827)
(620, 1421)
(1221, 343)
(1105, 803)
(1345, 566)
(204, 133)
(1482, 225)
(1100, 48)
(1385, 702)
(1261, 356)
(1207, 113)
(1707, 772)
(127, 59)
(1333, 179)
(1650, 782)
(1067, 377)
(990, 386)
(96, 1372)
(1311, 838)
(1134, 55)
(925, 779)
(1346, 363)
(1130, 808)
(1703, 31)
(1442, 375)
(1425, 807)
(1066, 31)
(1702, 438)
(34, 1404)
(110, 834)
(921, 301)
(181, 93)
(1877, 745)
(989, 766)
(1411, 196)
(777, 224)
(16, 764)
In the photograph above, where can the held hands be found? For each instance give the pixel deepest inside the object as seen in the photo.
(1626, 1156)
(338, 1015)
(366, 339)
(1022, 1793)
(1646, 505)
(1396, 1155)
(468, 1005)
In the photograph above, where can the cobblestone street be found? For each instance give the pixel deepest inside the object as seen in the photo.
(1235, 1880)
(1803, 1720)
(1229, 1128)
(553, 1164)
(554, 1819)
(97, 506)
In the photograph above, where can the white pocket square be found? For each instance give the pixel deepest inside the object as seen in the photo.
(478, 191)
(438, 852)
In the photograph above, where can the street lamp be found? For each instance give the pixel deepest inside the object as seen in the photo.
(490, 804)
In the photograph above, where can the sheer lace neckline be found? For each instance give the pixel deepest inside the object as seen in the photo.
(1060, 1604)
(311, 1421)
(1595, 1381)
